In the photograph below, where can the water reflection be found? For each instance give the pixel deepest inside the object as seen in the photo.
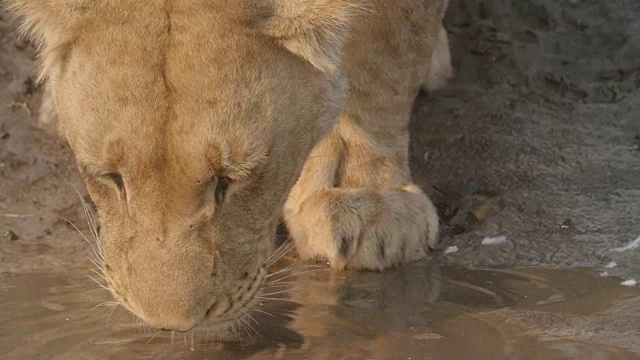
(417, 311)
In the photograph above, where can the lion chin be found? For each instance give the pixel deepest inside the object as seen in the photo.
(199, 125)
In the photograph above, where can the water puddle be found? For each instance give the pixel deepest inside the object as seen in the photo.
(414, 312)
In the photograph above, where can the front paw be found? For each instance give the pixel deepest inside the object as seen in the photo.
(364, 228)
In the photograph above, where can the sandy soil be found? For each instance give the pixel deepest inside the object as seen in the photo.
(539, 136)
(537, 139)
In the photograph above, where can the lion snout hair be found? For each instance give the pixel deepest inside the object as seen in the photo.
(168, 284)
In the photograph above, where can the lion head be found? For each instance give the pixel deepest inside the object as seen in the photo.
(190, 121)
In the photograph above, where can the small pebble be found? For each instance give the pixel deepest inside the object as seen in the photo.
(604, 274)
(611, 265)
(425, 157)
(12, 236)
(495, 240)
(630, 282)
(566, 224)
(451, 249)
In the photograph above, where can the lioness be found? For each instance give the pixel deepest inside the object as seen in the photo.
(198, 124)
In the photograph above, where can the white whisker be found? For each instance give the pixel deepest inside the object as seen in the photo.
(276, 281)
(106, 304)
(99, 274)
(279, 284)
(251, 327)
(264, 312)
(251, 317)
(278, 299)
(90, 219)
(244, 328)
(294, 267)
(278, 292)
(279, 253)
(282, 246)
(154, 335)
(99, 283)
(111, 314)
(93, 248)
(94, 262)
(235, 331)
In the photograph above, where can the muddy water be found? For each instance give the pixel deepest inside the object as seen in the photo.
(418, 312)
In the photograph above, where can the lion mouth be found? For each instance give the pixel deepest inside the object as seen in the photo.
(233, 306)
(225, 310)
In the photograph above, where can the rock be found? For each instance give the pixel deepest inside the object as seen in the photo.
(10, 235)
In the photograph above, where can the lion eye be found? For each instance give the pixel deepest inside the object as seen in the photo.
(116, 179)
(220, 192)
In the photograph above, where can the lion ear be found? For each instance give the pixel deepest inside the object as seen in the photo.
(47, 24)
(314, 30)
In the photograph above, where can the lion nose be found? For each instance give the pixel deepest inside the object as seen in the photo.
(171, 288)
(171, 306)
(170, 311)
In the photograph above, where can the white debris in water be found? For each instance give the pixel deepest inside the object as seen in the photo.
(451, 249)
(630, 282)
(611, 265)
(495, 240)
(632, 245)
(52, 305)
(428, 336)
(604, 274)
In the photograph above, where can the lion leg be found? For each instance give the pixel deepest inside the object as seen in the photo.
(355, 204)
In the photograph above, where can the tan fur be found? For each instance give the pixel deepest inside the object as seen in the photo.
(178, 97)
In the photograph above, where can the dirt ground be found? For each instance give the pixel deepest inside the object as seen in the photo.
(537, 139)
